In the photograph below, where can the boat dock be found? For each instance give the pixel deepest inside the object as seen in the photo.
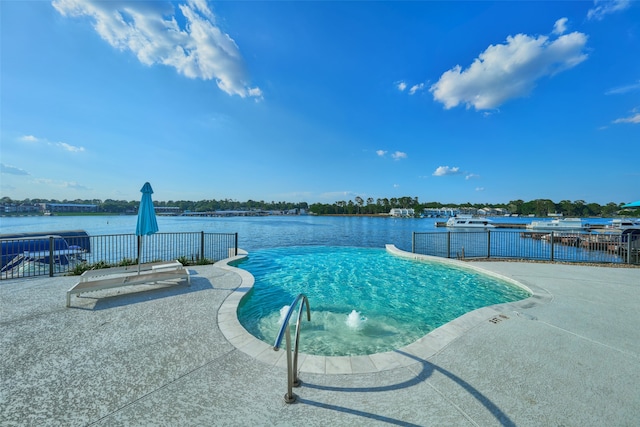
(519, 225)
(611, 243)
(495, 225)
(508, 225)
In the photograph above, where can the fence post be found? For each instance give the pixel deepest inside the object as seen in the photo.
(202, 246)
(236, 244)
(51, 251)
(629, 237)
(448, 244)
(551, 237)
(413, 242)
(488, 244)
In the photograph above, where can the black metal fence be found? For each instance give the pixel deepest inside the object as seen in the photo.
(552, 246)
(54, 254)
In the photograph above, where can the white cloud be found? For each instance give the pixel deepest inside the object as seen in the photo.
(63, 145)
(69, 147)
(623, 89)
(12, 170)
(75, 186)
(605, 7)
(150, 30)
(479, 188)
(560, 27)
(446, 170)
(29, 138)
(416, 88)
(472, 176)
(255, 92)
(61, 184)
(401, 86)
(635, 119)
(398, 155)
(508, 70)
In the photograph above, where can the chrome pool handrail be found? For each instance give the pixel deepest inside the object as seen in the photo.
(292, 368)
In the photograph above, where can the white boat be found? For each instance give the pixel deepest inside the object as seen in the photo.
(559, 224)
(469, 221)
(621, 224)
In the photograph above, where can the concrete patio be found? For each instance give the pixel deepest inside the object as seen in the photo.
(172, 356)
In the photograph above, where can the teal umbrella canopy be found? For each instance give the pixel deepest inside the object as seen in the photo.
(147, 223)
(632, 205)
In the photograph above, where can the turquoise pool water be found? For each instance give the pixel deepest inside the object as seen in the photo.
(362, 300)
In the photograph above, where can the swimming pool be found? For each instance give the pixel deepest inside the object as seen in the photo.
(362, 300)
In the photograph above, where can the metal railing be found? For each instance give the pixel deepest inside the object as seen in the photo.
(51, 255)
(550, 246)
(292, 366)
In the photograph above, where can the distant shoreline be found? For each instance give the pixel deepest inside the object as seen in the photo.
(386, 215)
(364, 215)
(24, 215)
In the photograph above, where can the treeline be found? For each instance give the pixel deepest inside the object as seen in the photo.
(360, 206)
(538, 207)
(357, 206)
(123, 206)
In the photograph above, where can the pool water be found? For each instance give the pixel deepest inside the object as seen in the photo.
(362, 300)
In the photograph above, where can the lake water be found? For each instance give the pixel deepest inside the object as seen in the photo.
(253, 232)
(256, 232)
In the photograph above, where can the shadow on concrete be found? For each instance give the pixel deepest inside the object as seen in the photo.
(142, 293)
(356, 412)
(423, 375)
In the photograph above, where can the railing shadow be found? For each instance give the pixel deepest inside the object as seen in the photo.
(359, 413)
(143, 293)
(427, 370)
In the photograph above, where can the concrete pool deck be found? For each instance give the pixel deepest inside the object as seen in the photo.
(160, 356)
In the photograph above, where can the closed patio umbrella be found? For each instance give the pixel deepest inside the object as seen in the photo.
(632, 205)
(147, 223)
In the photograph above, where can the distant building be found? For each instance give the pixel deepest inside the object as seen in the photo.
(440, 212)
(465, 210)
(68, 207)
(12, 208)
(493, 212)
(168, 210)
(401, 212)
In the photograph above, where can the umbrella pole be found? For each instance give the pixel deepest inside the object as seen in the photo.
(139, 252)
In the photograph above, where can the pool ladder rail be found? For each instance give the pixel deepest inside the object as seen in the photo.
(292, 366)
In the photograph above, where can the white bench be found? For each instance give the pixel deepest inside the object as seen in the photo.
(107, 278)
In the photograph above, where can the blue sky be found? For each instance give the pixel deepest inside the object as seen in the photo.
(482, 102)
